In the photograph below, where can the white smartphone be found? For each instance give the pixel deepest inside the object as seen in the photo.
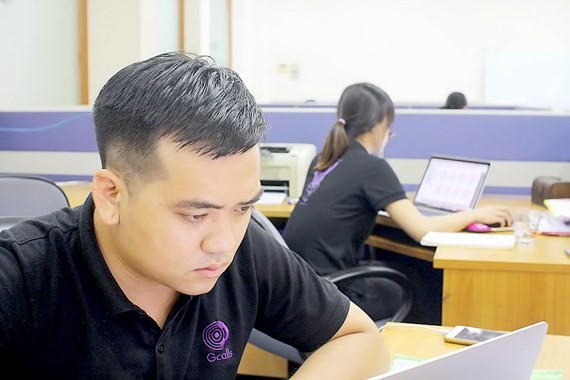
(469, 335)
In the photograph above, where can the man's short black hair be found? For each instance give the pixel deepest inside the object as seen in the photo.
(184, 98)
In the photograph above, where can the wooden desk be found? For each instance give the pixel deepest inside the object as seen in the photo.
(427, 253)
(494, 289)
(76, 191)
(283, 211)
(421, 342)
(505, 290)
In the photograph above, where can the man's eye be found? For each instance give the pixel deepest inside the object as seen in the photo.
(244, 209)
(195, 218)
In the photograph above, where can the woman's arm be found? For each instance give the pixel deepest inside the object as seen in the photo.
(416, 225)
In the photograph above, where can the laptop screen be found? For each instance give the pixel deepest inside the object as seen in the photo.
(452, 183)
(509, 356)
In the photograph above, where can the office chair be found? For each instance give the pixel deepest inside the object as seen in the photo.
(369, 270)
(29, 196)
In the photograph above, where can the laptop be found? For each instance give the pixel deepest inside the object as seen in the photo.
(508, 356)
(451, 184)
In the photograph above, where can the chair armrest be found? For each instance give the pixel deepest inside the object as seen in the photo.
(267, 343)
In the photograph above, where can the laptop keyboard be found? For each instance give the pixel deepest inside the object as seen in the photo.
(432, 211)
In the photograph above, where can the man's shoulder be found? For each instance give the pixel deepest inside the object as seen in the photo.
(37, 260)
(59, 222)
(31, 245)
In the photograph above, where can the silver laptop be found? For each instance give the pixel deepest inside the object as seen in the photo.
(508, 356)
(451, 184)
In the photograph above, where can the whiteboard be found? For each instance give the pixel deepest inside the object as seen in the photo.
(530, 78)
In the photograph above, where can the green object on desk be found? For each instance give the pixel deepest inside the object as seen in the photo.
(403, 361)
(546, 374)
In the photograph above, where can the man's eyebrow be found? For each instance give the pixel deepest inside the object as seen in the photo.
(198, 204)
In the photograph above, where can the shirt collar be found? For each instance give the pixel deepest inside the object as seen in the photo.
(112, 294)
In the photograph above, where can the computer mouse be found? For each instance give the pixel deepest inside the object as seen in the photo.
(478, 227)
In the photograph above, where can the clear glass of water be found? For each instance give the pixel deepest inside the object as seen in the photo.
(526, 225)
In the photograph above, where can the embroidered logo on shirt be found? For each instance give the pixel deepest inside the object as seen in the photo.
(318, 177)
(215, 337)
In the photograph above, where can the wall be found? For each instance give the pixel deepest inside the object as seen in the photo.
(286, 50)
(39, 50)
(521, 145)
(122, 32)
(416, 50)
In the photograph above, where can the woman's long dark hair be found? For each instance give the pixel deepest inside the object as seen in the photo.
(360, 108)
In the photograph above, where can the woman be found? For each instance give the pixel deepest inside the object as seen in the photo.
(348, 183)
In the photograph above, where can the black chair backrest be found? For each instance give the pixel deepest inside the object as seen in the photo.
(370, 270)
(29, 196)
(257, 337)
(259, 218)
(379, 271)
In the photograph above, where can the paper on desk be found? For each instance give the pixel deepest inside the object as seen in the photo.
(272, 198)
(550, 225)
(559, 207)
(467, 239)
(403, 361)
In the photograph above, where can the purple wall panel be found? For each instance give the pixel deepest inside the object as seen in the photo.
(516, 137)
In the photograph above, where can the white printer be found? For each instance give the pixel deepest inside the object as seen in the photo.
(284, 167)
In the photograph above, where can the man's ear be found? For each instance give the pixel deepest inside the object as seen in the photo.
(107, 190)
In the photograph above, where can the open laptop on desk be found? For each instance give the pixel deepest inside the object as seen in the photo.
(451, 184)
(509, 356)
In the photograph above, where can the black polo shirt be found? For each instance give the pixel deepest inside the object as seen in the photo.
(62, 314)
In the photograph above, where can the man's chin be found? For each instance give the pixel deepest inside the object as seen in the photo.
(201, 287)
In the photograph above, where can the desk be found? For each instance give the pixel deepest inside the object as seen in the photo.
(505, 290)
(493, 289)
(427, 253)
(420, 342)
(76, 191)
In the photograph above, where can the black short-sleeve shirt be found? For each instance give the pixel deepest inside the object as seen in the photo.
(338, 209)
(62, 314)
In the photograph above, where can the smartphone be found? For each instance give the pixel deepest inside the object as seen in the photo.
(469, 335)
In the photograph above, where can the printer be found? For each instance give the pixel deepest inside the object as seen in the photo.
(284, 167)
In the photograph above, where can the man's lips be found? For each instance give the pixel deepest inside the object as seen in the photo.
(212, 271)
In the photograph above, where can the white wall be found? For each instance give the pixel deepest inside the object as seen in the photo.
(416, 50)
(292, 50)
(39, 53)
(206, 29)
(126, 31)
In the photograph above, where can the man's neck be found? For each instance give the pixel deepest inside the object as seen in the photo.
(155, 299)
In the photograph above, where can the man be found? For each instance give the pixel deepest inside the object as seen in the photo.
(160, 274)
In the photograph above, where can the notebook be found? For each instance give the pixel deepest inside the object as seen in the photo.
(451, 184)
(470, 240)
(509, 356)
